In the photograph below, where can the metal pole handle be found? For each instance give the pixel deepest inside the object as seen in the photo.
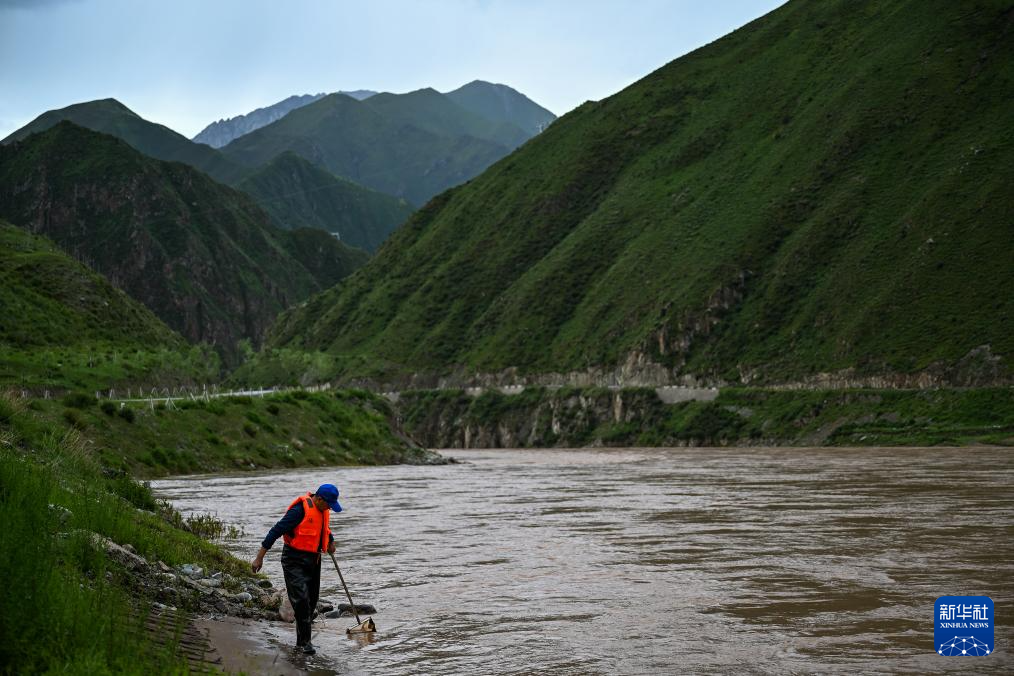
(345, 587)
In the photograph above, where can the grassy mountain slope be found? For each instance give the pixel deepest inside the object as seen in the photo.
(296, 193)
(353, 140)
(827, 188)
(64, 326)
(500, 102)
(112, 117)
(48, 298)
(430, 110)
(201, 256)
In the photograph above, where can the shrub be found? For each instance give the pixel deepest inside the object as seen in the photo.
(250, 429)
(137, 494)
(273, 409)
(127, 414)
(80, 400)
(108, 407)
(74, 418)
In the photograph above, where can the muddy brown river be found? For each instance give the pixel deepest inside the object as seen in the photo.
(648, 561)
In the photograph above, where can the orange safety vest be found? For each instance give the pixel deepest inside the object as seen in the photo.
(314, 531)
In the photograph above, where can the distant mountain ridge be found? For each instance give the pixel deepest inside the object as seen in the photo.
(310, 204)
(220, 133)
(408, 146)
(496, 103)
(413, 145)
(109, 116)
(501, 103)
(203, 257)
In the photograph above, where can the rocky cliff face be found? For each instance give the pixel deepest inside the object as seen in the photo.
(221, 133)
(748, 417)
(533, 418)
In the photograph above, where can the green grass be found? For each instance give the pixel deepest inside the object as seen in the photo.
(825, 189)
(64, 606)
(577, 417)
(62, 326)
(296, 429)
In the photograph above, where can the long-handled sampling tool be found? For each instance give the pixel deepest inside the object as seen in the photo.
(362, 627)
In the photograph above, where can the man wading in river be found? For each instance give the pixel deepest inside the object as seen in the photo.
(306, 530)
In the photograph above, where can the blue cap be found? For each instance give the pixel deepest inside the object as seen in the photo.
(329, 493)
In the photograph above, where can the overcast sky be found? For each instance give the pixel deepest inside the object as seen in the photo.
(186, 63)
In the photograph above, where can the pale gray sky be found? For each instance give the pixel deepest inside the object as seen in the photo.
(186, 63)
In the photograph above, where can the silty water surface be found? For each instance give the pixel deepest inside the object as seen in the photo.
(649, 561)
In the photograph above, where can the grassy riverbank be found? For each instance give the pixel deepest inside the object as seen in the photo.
(294, 429)
(637, 417)
(65, 607)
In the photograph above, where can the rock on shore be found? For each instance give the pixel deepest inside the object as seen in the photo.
(192, 587)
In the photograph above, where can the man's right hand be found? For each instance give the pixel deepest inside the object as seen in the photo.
(258, 561)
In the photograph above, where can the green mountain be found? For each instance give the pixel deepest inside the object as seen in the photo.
(62, 325)
(298, 194)
(826, 190)
(392, 143)
(278, 186)
(112, 117)
(502, 104)
(434, 112)
(204, 258)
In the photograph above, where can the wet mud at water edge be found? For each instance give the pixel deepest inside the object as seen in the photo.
(648, 561)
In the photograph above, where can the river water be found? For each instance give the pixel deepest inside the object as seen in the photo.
(648, 561)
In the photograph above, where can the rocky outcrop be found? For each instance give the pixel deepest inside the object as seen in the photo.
(221, 133)
(534, 418)
(192, 587)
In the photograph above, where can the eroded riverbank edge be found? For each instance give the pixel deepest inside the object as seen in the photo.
(745, 417)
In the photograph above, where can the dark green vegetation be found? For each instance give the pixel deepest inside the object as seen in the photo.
(412, 145)
(825, 190)
(109, 116)
(64, 606)
(289, 367)
(204, 258)
(502, 104)
(297, 194)
(295, 429)
(637, 417)
(294, 196)
(431, 111)
(62, 325)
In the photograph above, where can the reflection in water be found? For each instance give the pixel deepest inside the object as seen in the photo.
(645, 561)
